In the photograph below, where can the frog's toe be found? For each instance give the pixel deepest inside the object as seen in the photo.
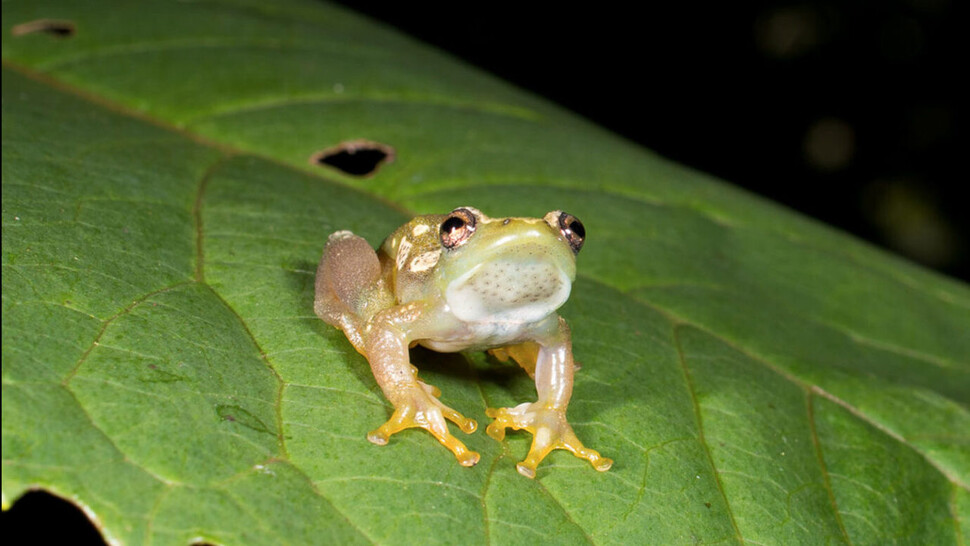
(550, 431)
(536, 454)
(599, 462)
(603, 464)
(398, 422)
(465, 456)
(432, 390)
(528, 467)
(378, 437)
(466, 425)
(496, 431)
(529, 471)
(503, 418)
(439, 430)
(424, 411)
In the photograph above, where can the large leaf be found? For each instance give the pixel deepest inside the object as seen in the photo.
(756, 376)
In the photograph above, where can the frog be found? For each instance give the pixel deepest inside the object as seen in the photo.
(455, 282)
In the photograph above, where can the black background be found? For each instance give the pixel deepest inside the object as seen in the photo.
(846, 111)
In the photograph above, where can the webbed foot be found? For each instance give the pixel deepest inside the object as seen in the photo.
(550, 431)
(420, 408)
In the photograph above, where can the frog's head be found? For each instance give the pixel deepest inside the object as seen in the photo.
(507, 269)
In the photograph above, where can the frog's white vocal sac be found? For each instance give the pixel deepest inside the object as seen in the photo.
(460, 281)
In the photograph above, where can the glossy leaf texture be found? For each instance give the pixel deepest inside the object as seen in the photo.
(756, 376)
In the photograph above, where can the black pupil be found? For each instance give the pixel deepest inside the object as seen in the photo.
(452, 224)
(577, 227)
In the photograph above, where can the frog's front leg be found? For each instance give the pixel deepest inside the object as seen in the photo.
(546, 417)
(386, 339)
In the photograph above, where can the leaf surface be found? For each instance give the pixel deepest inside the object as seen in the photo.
(756, 376)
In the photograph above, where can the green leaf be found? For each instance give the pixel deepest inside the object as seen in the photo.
(756, 376)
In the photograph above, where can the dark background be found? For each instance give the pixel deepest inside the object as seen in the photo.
(846, 111)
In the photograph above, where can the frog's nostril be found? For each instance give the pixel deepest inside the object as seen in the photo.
(355, 157)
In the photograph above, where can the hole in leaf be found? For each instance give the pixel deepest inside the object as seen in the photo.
(41, 518)
(59, 28)
(355, 157)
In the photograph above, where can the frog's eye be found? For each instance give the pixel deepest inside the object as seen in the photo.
(572, 229)
(457, 228)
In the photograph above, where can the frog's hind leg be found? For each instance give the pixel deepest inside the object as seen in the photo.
(524, 354)
(347, 277)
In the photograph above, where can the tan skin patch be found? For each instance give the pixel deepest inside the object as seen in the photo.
(425, 261)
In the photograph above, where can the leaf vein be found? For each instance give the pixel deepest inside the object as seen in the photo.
(826, 479)
(700, 430)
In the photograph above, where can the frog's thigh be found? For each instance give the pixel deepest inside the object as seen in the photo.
(347, 276)
(524, 354)
(349, 268)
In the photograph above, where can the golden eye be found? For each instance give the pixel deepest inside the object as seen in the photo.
(573, 230)
(457, 228)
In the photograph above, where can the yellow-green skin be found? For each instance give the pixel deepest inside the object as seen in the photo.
(499, 290)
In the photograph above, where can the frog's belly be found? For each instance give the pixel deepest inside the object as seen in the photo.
(480, 335)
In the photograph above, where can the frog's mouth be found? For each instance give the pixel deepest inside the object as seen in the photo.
(509, 291)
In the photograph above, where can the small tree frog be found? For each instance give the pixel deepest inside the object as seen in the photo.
(454, 282)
